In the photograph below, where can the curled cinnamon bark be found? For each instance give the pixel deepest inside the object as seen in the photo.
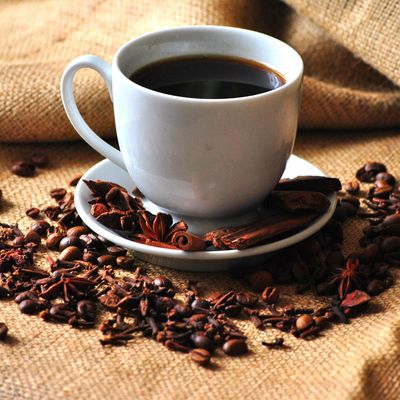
(188, 242)
(248, 235)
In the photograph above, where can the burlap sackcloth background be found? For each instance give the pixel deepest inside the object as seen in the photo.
(350, 49)
(357, 361)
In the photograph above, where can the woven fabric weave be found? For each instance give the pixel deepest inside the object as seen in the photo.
(51, 361)
(349, 48)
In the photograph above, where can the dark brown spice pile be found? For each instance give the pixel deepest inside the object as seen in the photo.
(83, 279)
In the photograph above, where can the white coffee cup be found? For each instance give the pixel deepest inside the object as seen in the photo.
(197, 157)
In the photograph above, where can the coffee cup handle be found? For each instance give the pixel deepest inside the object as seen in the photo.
(72, 111)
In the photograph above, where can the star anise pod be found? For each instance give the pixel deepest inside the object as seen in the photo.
(157, 228)
(349, 278)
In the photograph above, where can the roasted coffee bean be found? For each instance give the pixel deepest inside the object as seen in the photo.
(233, 310)
(235, 346)
(40, 227)
(107, 259)
(27, 307)
(200, 356)
(369, 171)
(3, 330)
(247, 299)
(375, 287)
(183, 310)
(200, 340)
(201, 303)
(270, 295)
(304, 322)
(391, 219)
(78, 230)
(53, 240)
(390, 244)
(300, 272)
(355, 201)
(32, 212)
(23, 169)
(39, 159)
(19, 241)
(58, 193)
(125, 262)
(163, 282)
(259, 280)
(311, 246)
(352, 187)
(369, 254)
(349, 207)
(87, 310)
(89, 257)
(116, 251)
(334, 258)
(68, 241)
(74, 181)
(71, 253)
(388, 178)
(32, 237)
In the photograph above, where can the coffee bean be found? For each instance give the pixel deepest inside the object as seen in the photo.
(270, 295)
(40, 227)
(116, 251)
(32, 237)
(107, 259)
(74, 181)
(390, 244)
(200, 340)
(23, 169)
(78, 230)
(352, 187)
(200, 356)
(27, 307)
(304, 322)
(68, 241)
(259, 280)
(87, 310)
(32, 212)
(3, 330)
(163, 282)
(247, 299)
(39, 159)
(58, 193)
(71, 253)
(233, 310)
(235, 346)
(375, 287)
(388, 178)
(200, 303)
(125, 262)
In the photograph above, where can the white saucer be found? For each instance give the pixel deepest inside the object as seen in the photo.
(210, 260)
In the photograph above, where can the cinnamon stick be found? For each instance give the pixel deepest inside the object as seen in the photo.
(322, 184)
(248, 235)
(188, 242)
(297, 201)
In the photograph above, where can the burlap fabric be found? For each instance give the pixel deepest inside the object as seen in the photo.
(47, 361)
(350, 49)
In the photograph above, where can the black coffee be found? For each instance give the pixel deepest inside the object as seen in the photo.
(208, 77)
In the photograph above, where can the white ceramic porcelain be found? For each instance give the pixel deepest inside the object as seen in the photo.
(197, 157)
(210, 260)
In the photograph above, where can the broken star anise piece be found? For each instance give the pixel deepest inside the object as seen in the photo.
(349, 278)
(157, 228)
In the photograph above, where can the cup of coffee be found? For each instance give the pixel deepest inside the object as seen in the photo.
(206, 116)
